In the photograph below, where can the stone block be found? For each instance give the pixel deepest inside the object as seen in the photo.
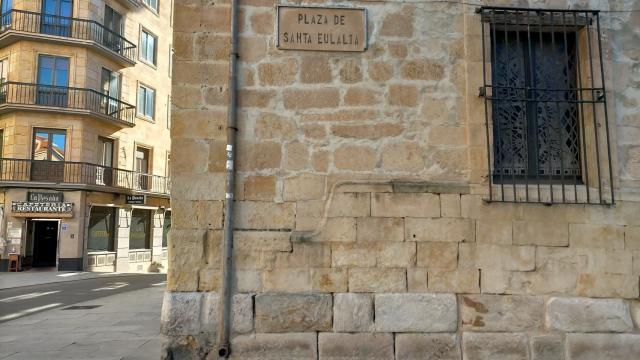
(428, 346)
(258, 156)
(405, 205)
(423, 69)
(460, 281)
(505, 257)
(405, 156)
(241, 313)
(540, 233)
(355, 158)
(380, 71)
(547, 347)
(329, 280)
(298, 159)
(264, 215)
(634, 307)
(290, 346)
(271, 126)
(350, 205)
(315, 70)
(263, 240)
(352, 312)
(489, 346)
(632, 238)
(588, 315)
(602, 346)
(396, 254)
(528, 282)
(300, 99)
(439, 229)
(180, 313)
(304, 255)
(350, 71)
(377, 280)
(417, 280)
(287, 280)
(341, 229)
(336, 346)
(450, 205)
(596, 236)
(293, 312)
(360, 255)
(380, 229)
(416, 313)
(372, 132)
(607, 285)
(474, 207)
(398, 24)
(437, 255)
(494, 232)
(360, 96)
(304, 187)
(277, 74)
(501, 313)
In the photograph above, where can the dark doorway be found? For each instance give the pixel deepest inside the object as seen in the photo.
(45, 243)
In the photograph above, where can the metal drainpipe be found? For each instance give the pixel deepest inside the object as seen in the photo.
(224, 348)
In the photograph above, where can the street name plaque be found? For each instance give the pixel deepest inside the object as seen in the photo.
(322, 28)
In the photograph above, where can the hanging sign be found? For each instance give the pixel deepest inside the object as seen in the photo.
(38, 196)
(322, 28)
(42, 207)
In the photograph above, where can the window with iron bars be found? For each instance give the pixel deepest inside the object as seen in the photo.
(545, 106)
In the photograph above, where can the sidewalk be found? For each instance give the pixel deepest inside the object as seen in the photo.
(46, 276)
(124, 326)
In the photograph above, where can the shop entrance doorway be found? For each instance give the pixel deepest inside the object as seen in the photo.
(45, 242)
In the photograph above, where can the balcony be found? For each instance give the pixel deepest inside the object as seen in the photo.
(23, 96)
(79, 175)
(25, 25)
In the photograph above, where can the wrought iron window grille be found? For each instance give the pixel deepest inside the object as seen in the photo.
(546, 118)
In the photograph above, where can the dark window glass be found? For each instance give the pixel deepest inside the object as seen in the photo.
(148, 47)
(139, 236)
(535, 117)
(102, 229)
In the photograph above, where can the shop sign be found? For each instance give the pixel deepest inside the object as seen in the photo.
(42, 207)
(42, 197)
(322, 28)
(135, 199)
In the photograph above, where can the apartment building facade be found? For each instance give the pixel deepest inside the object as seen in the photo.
(84, 133)
(413, 180)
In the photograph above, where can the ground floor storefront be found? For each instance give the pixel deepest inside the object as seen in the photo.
(83, 230)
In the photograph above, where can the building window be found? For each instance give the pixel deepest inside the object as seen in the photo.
(56, 19)
(53, 81)
(142, 168)
(49, 144)
(165, 228)
(140, 232)
(545, 95)
(148, 43)
(4, 70)
(101, 229)
(153, 4)
(146, 102)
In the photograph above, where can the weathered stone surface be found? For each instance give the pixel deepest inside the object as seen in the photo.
(361, 255)
(341, 229)
(540, 233)
(180, 313)
(304, 187)
(489, 346)
(404, 156)
(293, 312)
(596, 236)
(264, 215)
(602, 346)
(355, 158)
(634, 307)
(404, 205)
(439, 229)
(380, 229)
(241, 313)
(329, 280)
(607, 285)
(290, 346)
(263, 240)
(377, 280)
(437, 254)
(450, 205)
(494, 232)
(427, 346)
(352, 312)
(460, 281)
(588, 315)
(547, 347)
(347, 204)
(416, 312)
(314, 70)
(335, 346)
(297, 99)
(396, 254)
(501, 313)
(287, 280)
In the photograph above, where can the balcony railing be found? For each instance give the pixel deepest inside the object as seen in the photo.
(80, 173)
(15, 93)
(82, 29)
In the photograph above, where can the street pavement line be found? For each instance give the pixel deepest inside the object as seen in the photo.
(28, 296)
(70, 274)
(160, 284)
(28, 311)
(116, 285)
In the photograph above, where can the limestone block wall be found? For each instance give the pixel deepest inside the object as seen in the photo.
(360, 226)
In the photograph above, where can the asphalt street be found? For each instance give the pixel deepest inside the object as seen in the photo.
(28, 300)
